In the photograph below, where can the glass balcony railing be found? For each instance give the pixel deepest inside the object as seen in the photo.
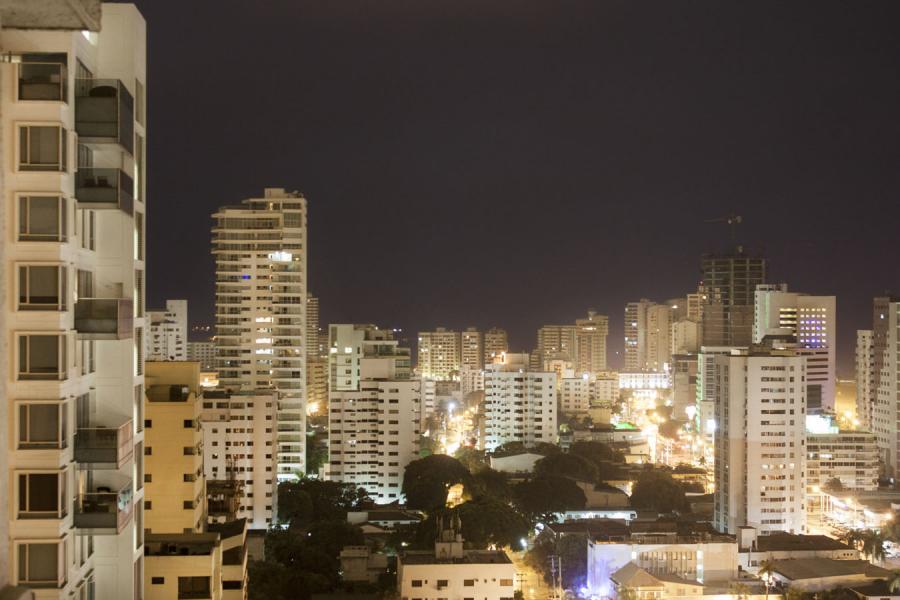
(104, 510)
(104, 318)
(43, 78)
(100, 446)
(104, 189)
(104, 112)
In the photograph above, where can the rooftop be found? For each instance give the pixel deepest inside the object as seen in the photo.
(813, 568)
(782, 542)
(180, 544)
(470, 557)
(228, 529)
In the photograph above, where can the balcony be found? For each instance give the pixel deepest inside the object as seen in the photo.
(100, 446)
(104, 510)
(104, 112)
(43, 77)
(104, 189)
(104, 318)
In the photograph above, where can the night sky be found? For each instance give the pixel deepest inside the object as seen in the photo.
(513, 163)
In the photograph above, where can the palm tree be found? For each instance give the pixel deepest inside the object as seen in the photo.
(893, 582)
(766, 571)
(740, 590)
(873, 545)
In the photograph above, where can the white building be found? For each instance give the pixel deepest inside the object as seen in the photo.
(496, 345)
(575, 395)
(885, 380)
(812, 320)
(203, 353)
(705, 413)
(168, 331)
(439, 354)
(470, 380)
(760, 440)
(73, 122)
(519, 405)
(239, 440)
(471, 349)
(455, 573)
(865, 395)
(373, 428)
(590, 343)
(261, 309)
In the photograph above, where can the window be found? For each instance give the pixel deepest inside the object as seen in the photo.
(42, 148)
(43, 77)
(42, 425)
(188, 505)
(41, 564)
(148, 477)
(157, 580)
(417, 583)
(194, 587)
(468, 582)
(441, 583)
(43, 219)
(42, 287)
(42, 495)
(42, 357)
(139, 101)
(506, 582)
(188, 424)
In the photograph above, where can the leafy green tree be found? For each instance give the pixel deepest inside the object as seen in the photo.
(766, 572)
(834, 485)
(316, 451)
(486, 521)
(540, 497)
(495, 484)
(329, 500)
(545, 448)
(427, 480)
(509, 448)
(596, 452)
(572, 549)
(893, 581)
(473, 458)
(567, 465)
(657, 490)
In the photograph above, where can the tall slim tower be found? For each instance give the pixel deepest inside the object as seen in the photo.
(590, 343)
(72, 320)
(636, 335)
(260, 251)
(865, 362)
(886, 379)
(496, 345)
(729, 281)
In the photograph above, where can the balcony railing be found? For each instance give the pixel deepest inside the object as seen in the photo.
(104, 510)
(104, 112)
(104, 318)
(43, 79)
(104, 189)
(100, 446)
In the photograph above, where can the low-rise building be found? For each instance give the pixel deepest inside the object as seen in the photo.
(359, 563)
(182, 565)
(818, 574)
(754, 549)
(451, 571)
(860, 510)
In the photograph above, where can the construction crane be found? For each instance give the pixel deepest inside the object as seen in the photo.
(731, 220)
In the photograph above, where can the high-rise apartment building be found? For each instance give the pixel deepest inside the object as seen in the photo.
(239, 460)
(635, 335)
(811, 320)
(648, 335)
(316, 359)
(659, 338)
(471, 353)
(519, 405)
(312, 327)
(729, 283)
(72, 256)
(168, 332)
(260, 251)
(885, 379)
(439, 354)
(203, 353)
(760, 405)
(865, 379)
(555, 342)
(590, 343)
(496, 345)
(375, 415)
(706, 392)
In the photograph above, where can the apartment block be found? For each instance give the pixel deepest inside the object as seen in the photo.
(260, 252)
(496, 345)
(72, 113)
(885, 379)
(729, 283)
(168, 332)
(865, 379)
(439, 354)
(471, 353)
(203, 353)
(519, 405)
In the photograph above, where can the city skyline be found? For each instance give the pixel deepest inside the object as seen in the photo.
(780, 116)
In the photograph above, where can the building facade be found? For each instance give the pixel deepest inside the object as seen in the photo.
(519, 405)
(168, 332)
(439, 354)
(729, 283)
(496, 345)
(865, 364)
(261, 266)
(885, 378)
(72, 256)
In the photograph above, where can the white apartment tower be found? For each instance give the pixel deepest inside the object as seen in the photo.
(648, 336)
(375, 415)
(439, 354)
(865, 395)
(636, 335)
(168, 332)
(471, 354)
(760, 440)
(203, 353)
(239, 459)
(885, 386)
(812, 321)
(519, 405)
(590, 343)
(260, 251)
(73, 122)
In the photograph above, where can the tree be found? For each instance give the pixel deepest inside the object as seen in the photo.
(540, 497)
(893, 582)
(873, 545)
(427, 480)
(596, 452)
(766, 572)
(473, 458)
(656, 490)
(316, 451)
(495, 484)
(567, 465)
(740, 590)
(328, 500)
(488, 521)
(834, 485)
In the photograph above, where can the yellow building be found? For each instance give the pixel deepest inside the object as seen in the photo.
(187, 565)
(173, 458)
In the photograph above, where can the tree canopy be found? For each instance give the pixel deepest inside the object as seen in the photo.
(657, 490)
(307, 500)
(539, 497)
(567, 465)
(427, 480)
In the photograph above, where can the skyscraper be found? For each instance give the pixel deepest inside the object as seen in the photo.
(590, 343)
(73, 324)
(812, 321)
(168, 332)
(730, 281)
(439, 353)
(519, 405)
(865, 364)
(648, 336)
(636, 335)
(495, 345)
(760, 440)
(886, 379)
(260, 251)
(471, 349)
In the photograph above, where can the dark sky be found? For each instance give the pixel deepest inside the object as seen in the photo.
(512, 163)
